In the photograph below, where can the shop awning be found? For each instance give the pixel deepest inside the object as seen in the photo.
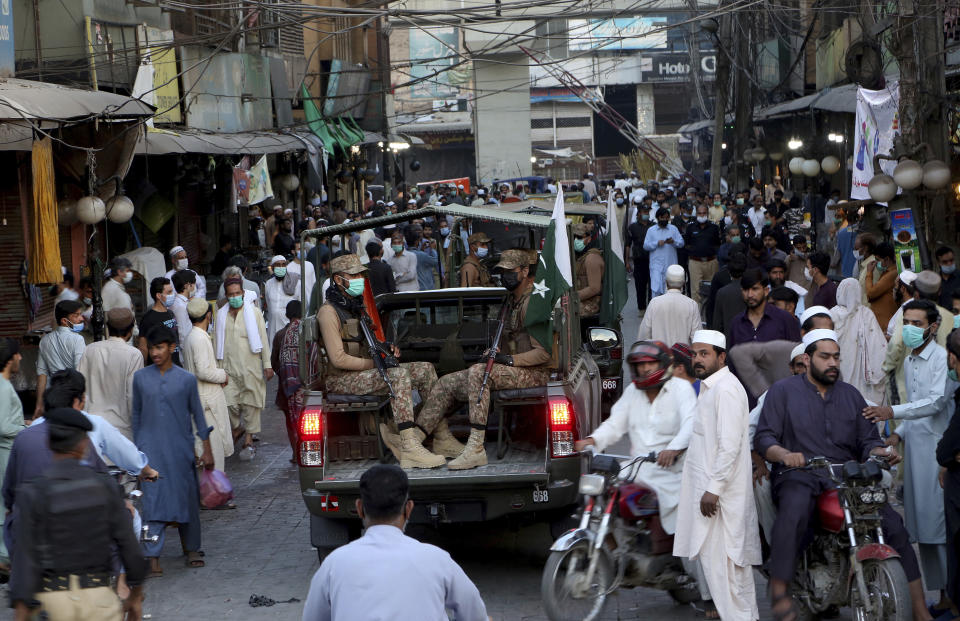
(41, 101)
(162, 141)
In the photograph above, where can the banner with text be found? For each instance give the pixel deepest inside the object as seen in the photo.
(877, 123)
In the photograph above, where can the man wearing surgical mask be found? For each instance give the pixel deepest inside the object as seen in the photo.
(589, 274)
(113, 294)
(948, 272)
(473, 272)
(178, 257)
(404, 264)
(61, 349)
(351, 371)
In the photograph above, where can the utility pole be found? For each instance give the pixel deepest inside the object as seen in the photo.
(383, 62)
(917, 44)
(744, 114)
(721, 85)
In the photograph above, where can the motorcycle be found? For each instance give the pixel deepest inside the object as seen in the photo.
(619, 543)
(848, 563)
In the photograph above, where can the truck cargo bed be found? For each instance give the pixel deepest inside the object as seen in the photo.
(520, 464)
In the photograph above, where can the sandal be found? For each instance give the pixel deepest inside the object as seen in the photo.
(225, 506)
(710, 610)
(155, 570)
(780, 613)
(195, 560)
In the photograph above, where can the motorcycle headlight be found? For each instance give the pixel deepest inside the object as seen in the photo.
(879, 497)
(866, 497)
(591, 484)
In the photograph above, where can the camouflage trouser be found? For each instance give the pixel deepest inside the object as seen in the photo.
(465, 385)
(406, 377)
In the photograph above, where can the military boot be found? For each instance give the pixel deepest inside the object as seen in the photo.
(444, 443)
(412, 453)
(392, 440)
(473, 455)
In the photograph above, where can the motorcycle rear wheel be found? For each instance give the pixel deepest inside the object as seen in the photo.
(558, 585)
(888, 590)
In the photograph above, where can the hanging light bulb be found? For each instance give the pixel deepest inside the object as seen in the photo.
(908, 174)
(90, 209)
(882, 188)
(936, 174)
(119, 209)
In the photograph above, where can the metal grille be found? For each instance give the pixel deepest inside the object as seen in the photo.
(573, 121)
(291, 33)
(541, 123)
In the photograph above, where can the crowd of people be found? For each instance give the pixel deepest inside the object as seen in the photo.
(772, 331)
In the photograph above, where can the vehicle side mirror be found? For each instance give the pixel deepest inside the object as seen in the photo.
(603, 338)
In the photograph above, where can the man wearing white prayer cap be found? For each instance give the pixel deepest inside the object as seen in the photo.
(718, 470)
(672, 317)
(816, 414)
(816, 317)
(278, 292)
(179, 261)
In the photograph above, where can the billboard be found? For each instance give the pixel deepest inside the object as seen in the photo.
(676, 67)
(877, 123)
(157, 45)
(626, 33)
(7, 68)
(433, 52)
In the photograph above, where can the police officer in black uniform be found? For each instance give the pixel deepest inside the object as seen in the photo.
(67, 521)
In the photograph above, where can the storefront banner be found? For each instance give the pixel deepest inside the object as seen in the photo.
(877, 123)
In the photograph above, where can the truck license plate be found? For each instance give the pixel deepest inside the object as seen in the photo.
(608, 384)
(541, 495)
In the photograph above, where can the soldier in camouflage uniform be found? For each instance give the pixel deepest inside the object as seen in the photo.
(473, 273)
(521, 362)
(351, 371)
(589, 273)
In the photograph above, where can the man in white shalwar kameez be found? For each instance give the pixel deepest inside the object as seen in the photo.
(672, 317)
(656, 410)
(243, 351)
(661, 242)
(717, 517)
(199, 359)
(278, 292)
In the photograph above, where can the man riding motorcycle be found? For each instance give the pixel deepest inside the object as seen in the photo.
(809, 415)
(656, 410)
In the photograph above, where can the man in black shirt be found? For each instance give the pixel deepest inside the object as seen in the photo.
(68, 521)
(379, 273)
(222, 258)
(948, 273)
(161, 291)
(284, 242)
(701, 241)
(638, 258)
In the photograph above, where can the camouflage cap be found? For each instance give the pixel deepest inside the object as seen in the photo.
(478, 238)
(578, 228)
(347, 264)
(515, 257)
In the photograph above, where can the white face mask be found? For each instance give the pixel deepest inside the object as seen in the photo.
(806, 273)
(857, 255)
(127, 277)
(701, 219)
(182, 264)
(169, 300)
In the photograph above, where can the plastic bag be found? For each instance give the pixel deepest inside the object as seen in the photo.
(215, 488)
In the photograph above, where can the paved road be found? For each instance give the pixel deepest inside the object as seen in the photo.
(263, 547)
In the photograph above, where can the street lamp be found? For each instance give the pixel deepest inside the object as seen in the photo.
(794, 144)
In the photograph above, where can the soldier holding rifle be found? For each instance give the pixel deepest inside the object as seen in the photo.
(352, 369)
(518, 361)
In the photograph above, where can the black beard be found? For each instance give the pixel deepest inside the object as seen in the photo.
(822, 377)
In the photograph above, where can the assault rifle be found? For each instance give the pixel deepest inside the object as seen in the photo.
(494, 348)
(383, 358)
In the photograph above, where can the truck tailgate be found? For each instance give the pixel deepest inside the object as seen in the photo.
(519, 466)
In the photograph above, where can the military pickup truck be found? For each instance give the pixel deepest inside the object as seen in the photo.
(532, 471)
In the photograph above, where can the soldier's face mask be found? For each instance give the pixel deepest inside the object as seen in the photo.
(510, 280)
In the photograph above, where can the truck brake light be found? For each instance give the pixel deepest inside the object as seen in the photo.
(561, 427)
(311, 437)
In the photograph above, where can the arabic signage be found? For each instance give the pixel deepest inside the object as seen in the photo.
(676, 67)
(629, 33)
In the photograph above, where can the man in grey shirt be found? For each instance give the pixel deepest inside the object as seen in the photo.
(403, 263)
(61, 349)
(385, 574)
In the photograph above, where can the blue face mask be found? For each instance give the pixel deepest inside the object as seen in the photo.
(578, 245)
(619, 201)
(355, 288)
(913, 337)
(956, 322)
(279, 272)
(444, 231)
(77, 327)
(236, 301)
(482, 252)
